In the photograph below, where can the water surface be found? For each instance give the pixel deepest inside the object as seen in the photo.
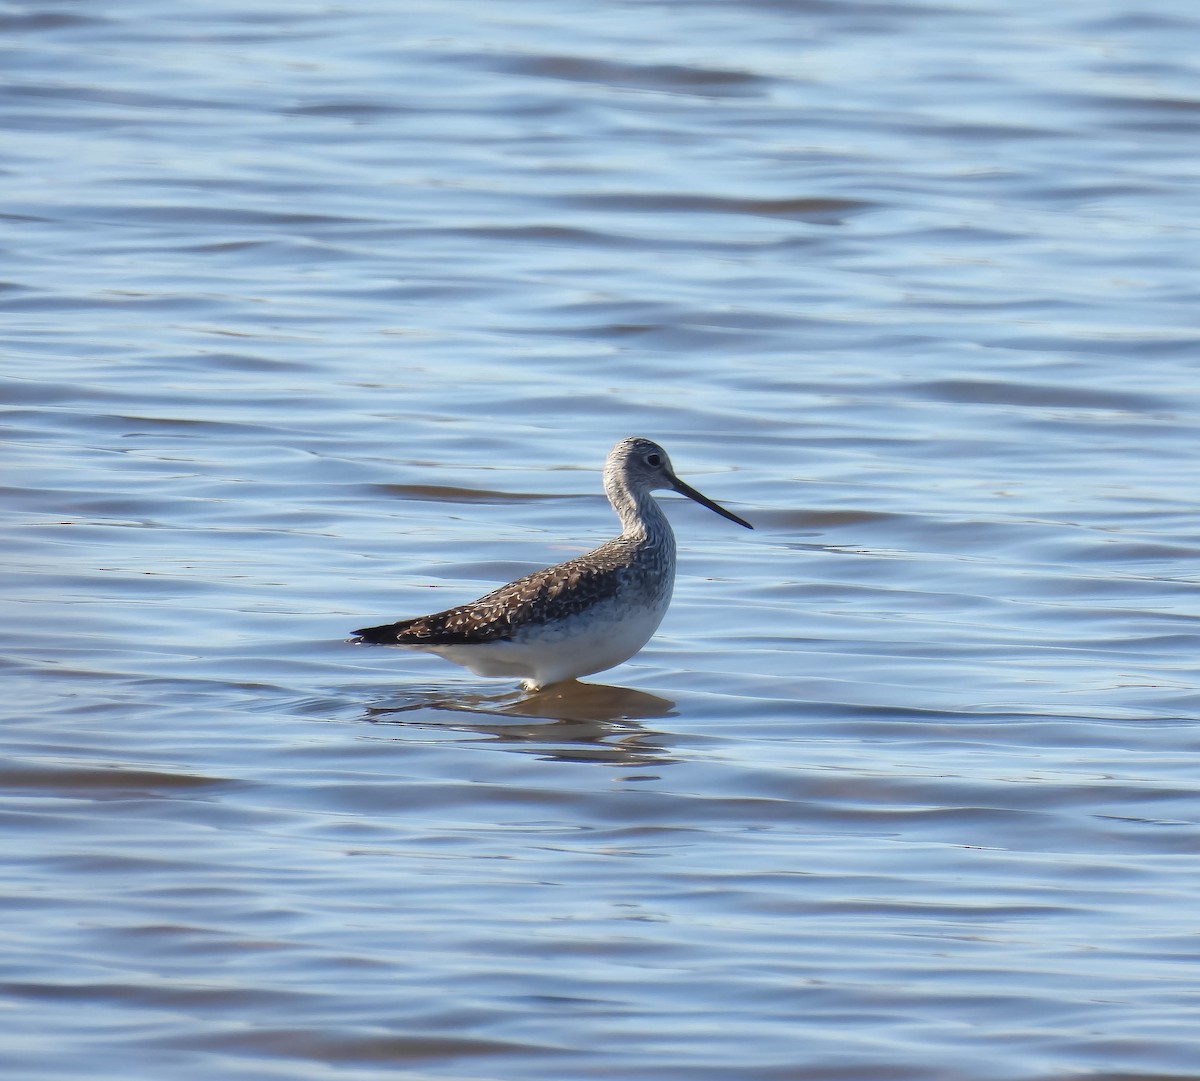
(318, 316)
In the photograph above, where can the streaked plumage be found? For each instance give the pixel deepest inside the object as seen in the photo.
(577, 617)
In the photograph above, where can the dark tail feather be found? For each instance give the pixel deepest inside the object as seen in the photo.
(386, 635)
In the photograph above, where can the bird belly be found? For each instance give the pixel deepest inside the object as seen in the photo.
(600, 637)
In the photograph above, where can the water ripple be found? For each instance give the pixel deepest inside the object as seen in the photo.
(316, 314)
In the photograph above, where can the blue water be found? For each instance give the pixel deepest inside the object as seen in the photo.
(320, 316)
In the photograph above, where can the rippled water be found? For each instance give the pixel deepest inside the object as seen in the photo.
(324, 315)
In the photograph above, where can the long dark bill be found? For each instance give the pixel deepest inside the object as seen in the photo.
(704, 501)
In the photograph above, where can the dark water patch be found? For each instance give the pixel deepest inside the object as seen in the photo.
(670, 78)
(188, 216)
(336, 1047)
(1039, 395)
(1073, 191)
(1130, 344)
(433, 493)
(1144, 104)
(100, 95)
(826, 518)
(994, 132)
(813, 209)
(117, 300)
(216, 999)
(34, 22)
(295, 254)
(109, 782)
(552, 234)
(1132, 21)
(350, 110)
(27, 219)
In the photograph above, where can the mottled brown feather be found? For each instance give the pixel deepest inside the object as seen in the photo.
(543, 597)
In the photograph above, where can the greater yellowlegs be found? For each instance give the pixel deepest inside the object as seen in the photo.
(578, 617)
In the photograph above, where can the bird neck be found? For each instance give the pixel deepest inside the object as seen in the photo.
(641, 516)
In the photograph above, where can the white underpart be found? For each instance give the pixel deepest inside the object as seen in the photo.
(606, 634)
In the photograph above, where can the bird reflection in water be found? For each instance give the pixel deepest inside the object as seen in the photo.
(569, 722)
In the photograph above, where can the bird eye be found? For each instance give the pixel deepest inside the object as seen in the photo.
(653, 459)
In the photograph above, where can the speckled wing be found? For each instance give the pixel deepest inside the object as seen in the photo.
(545, 596)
